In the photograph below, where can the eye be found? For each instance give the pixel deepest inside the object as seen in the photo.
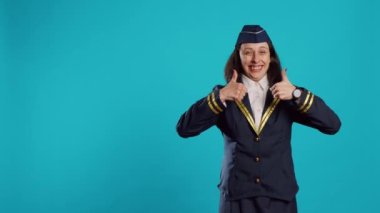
(263, 52)
(248, 52)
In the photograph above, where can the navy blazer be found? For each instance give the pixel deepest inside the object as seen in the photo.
(257, 161)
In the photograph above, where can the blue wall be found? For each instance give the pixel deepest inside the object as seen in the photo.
(91, 91)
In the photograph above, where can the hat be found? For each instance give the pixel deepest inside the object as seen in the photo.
(252, 34)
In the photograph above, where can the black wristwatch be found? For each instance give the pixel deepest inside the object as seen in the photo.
(296, 93)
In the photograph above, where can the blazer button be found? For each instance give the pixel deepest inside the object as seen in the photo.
(257, 159)
(257, 139)
(257, 180)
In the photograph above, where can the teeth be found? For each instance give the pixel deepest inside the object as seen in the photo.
(256, 67)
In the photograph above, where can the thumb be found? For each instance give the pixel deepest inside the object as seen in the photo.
(234, 76)
(284, 75)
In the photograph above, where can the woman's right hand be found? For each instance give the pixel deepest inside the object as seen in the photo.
(233, 91)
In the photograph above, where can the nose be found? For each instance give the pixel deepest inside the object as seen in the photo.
(254, 58)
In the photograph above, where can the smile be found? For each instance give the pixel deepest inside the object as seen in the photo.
(255, 68)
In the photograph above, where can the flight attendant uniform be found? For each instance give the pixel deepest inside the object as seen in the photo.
(257, 171)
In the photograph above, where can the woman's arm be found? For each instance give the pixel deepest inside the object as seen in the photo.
(308, 109)
(205, 112)
(311, 110)
(201, 115)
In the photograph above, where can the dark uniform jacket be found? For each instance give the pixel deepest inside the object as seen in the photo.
(257, 161)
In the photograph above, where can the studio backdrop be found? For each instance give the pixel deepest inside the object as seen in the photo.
(91, 91)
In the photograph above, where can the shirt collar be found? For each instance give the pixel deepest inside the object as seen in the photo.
(263, 84)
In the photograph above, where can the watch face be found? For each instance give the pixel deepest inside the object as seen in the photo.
(297, 93)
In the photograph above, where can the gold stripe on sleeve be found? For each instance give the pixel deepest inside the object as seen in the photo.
(211, 106)
(305, 102)
(309, 104)
(214, 102)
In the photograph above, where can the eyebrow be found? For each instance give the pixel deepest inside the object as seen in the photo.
(250, 48)
(263, 47)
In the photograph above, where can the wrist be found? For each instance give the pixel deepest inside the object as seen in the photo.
(296, 93)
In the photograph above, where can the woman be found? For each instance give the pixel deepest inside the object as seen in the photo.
(255, 112)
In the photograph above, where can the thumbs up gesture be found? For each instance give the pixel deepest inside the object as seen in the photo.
(233, 90)
(283, 89)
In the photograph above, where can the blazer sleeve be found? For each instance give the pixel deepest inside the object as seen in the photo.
(312, 111)
(201, 115)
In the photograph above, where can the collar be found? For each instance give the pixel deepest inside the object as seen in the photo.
(263, 84)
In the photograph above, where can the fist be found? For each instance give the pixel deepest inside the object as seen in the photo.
(283, 90)
(233, 91)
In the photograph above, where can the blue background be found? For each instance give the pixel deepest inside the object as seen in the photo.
(91, 91)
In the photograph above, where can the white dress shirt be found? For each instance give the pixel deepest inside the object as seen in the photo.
(257, 92)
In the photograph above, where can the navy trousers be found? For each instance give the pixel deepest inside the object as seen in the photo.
(257, 205)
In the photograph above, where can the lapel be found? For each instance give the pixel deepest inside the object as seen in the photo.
(269, 107)
(268, 101)
(245, 108)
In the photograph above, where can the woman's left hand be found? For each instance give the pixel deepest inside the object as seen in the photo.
(283, 89)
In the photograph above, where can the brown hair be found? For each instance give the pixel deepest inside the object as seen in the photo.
(234, 62)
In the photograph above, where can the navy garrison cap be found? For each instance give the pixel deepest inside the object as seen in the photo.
(252, 34)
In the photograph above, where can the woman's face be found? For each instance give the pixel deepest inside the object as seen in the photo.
(255, 59)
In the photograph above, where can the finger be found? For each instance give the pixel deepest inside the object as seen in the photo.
(241, 97)
(238, 95)
(273, 87)
(239, 86)
(276, 90)
(234, 76)
(237, 98)
(272, 91)
(243, 94)
(244, 90)
(281, 95)
(276, 94)
(284, 75)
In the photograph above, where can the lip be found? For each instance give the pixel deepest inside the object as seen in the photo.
(255, 68)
